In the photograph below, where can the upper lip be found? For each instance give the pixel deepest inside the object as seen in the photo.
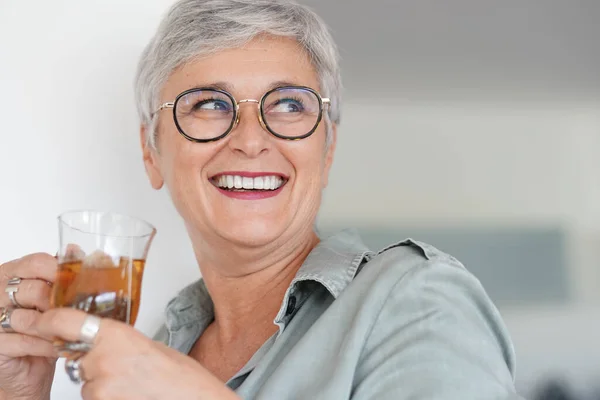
(249, 174)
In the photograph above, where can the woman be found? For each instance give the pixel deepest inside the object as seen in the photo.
(239, 103)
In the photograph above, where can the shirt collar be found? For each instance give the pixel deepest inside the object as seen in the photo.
(333, 263)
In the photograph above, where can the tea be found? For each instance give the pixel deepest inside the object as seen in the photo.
(98, 286)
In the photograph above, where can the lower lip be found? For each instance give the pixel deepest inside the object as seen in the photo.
(251, 194)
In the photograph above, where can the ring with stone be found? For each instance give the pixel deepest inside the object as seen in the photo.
(11, 289)
(5, 315)
(74, 370)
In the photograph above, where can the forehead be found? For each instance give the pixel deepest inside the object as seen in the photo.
(249, 70)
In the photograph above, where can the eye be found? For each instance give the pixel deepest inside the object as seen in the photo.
(287, 105)
(212, 105)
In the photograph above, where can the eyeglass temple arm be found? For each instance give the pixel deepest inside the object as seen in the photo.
(163, 106)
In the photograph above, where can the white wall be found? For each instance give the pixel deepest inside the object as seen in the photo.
(69, 135)
(69, 140)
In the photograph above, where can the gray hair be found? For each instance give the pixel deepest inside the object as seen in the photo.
(196, 28)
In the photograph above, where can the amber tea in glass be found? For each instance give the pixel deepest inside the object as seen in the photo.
(101, 265)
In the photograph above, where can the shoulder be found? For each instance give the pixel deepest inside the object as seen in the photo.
(407, 262)
(432, 322)
(432, 313)
(412, 276)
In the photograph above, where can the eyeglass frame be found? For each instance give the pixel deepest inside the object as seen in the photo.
(236, 110)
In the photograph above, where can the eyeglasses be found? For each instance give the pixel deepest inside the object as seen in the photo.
(207, 114)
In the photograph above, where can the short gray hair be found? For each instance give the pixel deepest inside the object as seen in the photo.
(195, 28)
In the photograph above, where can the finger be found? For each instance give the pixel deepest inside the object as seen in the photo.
(32, 293)
(96, 389)
(24, 321)
(34, 266)
(64, 323)
(116, 347)
(15, 345)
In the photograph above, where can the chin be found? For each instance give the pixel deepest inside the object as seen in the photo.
(253, 232)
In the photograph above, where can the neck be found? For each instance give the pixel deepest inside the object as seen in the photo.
(247, 287)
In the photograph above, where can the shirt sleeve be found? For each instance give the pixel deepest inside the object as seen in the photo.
(437, 337)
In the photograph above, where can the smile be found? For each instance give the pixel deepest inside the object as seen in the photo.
(249, 185)
(245, 183)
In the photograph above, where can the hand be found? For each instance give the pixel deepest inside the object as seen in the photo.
(27, 362)
(125, 364)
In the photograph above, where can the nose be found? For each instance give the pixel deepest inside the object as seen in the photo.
(248, 136)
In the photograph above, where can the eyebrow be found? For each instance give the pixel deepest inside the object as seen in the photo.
(226, 86)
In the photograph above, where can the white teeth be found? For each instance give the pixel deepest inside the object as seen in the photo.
(237, 182)
(247, 183)
(271, 182)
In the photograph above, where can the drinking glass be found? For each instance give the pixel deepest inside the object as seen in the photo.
(101, 262)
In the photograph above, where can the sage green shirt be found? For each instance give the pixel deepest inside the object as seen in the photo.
(406, 322)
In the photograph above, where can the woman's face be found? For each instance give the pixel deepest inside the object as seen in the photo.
(192, 171)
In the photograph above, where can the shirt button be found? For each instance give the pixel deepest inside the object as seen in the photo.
(291, 305)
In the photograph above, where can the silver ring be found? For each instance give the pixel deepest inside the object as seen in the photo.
(5, 316)
(74, 370)
(89, 329)
(14, 281)
(11, 289)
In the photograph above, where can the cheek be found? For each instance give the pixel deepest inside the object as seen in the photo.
(182, 157)
(182, 168)
(314, 158)
(310, 169)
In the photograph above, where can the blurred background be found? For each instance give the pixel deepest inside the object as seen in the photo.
(473, 125)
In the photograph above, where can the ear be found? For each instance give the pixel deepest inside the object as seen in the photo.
(329, 154)
(150, 156)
